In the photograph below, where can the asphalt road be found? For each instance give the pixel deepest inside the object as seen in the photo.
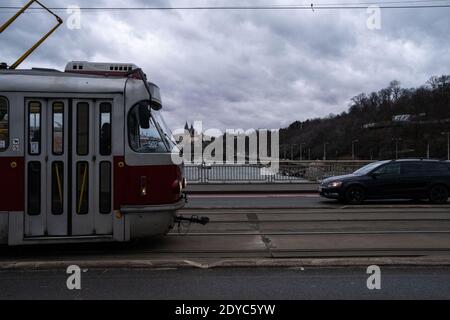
(278, 200)
(235, 284)
(265, 227)
(254, 227)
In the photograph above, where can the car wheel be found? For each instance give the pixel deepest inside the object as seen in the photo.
(354, 195)
(438, 194)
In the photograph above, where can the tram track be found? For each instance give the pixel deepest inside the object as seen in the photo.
(210, 234)
(270, 233)
(297, 253)
(331, 210)
(423, 230)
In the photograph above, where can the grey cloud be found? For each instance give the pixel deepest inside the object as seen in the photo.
(250, 69)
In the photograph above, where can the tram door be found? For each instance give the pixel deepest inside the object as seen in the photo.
(68, 167)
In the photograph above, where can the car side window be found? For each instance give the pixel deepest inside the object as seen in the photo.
(411, 168)
(389, 169)
(436, 168)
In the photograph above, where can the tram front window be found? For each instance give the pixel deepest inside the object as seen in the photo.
(145, 134)
(170, 139)
(4, 124)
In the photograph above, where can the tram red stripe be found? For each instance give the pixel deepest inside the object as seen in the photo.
(160, 184)
(12, 184)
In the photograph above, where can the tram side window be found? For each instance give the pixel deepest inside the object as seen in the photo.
(34, 128)
(143, 133)
(57, 187)
(105, 129)
(58, 128)
(4, 124)
(83, 129)
(105, 187)
(82, 189)
(34, 188)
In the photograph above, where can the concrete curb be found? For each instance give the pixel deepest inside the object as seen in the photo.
(236, 188)
(227, 263)
(254, 208)
(346, 207)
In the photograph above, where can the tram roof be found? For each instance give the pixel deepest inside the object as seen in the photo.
(51, 80)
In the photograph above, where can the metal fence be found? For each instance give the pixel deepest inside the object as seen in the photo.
(289, 172)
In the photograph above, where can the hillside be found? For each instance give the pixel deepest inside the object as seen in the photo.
(414, 118)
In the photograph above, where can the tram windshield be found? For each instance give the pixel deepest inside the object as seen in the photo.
(159, 118)
(147, 131)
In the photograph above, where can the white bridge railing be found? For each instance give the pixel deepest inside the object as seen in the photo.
(289, 172)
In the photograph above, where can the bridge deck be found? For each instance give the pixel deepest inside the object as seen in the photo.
(282, 226)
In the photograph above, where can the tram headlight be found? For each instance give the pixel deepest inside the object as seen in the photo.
(143, 187)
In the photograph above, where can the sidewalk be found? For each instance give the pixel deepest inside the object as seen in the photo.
(304, 187)
(205, 263)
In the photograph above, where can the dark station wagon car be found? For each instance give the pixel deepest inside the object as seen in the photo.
(392, 179)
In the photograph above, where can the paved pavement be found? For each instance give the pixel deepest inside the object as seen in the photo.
(282, 200)
(259, 200)
(294, 234)
(235, 284)
(252, 187)
(301, 229)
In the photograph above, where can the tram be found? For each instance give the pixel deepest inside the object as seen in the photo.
(85, 155)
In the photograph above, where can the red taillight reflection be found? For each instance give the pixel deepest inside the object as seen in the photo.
(176, 186)
(143, 186)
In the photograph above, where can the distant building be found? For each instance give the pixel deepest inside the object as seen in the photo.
(190, 130)
(402, 118)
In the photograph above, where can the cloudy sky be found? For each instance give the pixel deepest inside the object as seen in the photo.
(245, 68)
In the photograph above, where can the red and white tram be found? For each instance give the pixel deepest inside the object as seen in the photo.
(85, 155)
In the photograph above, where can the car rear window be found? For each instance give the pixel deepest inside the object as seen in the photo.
(436, 167)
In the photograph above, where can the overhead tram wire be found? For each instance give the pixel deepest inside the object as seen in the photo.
(330, 6)
(357, 3)
(269, 6)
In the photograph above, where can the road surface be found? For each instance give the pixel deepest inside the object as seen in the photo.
(235, 284)
(275, 226)
(279, 200)
(276, 230)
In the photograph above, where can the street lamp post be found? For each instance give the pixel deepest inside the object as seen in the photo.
(325, 150)
(396, 146)
(301, 150)
(448, 144)
(353, 149)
